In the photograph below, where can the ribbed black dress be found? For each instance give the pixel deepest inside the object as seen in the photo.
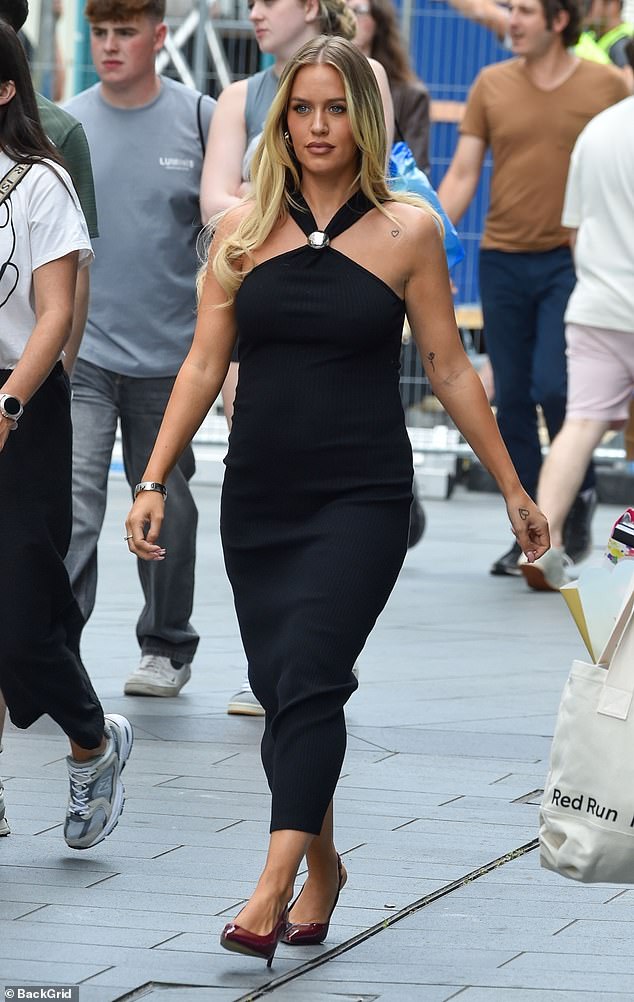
(316, 499)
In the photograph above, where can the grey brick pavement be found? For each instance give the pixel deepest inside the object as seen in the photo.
(449, 738)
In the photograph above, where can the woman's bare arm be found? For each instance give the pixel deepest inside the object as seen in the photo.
(456, 384)
(386, 97)
(221, 179)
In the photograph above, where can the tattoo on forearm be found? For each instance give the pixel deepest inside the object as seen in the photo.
(523, 513)
(430, 357)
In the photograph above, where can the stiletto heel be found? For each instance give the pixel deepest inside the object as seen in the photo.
(313, 933)
(239, 940)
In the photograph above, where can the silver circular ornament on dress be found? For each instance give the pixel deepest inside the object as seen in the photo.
(318, 240)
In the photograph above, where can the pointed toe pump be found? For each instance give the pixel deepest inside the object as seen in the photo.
(313, 933)
(239, 940)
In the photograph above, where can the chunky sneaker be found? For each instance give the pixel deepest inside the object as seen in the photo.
(507, 565)
(157, 676)
(245, 702)
(549, 573)
(97, 794)
(578, 526)
(4, 824)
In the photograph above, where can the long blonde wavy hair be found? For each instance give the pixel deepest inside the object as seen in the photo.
(276, 173)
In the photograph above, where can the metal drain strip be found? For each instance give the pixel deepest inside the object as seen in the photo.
(374, 930)
(324, 958)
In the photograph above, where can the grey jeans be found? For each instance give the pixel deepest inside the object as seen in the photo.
(100, 398)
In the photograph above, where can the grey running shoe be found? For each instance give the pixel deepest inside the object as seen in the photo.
(4, 824)
(157, 676)
(245, 702)
(97, 794)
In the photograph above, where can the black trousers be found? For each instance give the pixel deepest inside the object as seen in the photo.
(40, 624)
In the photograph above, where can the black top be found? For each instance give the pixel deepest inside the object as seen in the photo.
(318, 402)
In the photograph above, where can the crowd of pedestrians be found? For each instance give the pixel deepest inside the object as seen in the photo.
(313, 267)
(528, 112)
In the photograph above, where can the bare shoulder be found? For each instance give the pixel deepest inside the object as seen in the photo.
(417, 223)
(233, 98)
(229, 220)
(378, 69)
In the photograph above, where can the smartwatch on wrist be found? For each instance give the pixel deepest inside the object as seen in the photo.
(11, 408)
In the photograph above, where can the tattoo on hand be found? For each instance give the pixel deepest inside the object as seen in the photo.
(430, 357)
(523, 513)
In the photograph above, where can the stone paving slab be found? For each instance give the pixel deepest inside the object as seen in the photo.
(535, 995)
(449, 733)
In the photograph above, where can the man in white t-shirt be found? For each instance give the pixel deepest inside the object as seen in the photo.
(599, 205)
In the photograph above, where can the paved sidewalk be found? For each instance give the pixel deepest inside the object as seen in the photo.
(436, 812)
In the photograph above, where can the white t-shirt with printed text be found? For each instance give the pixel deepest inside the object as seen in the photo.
(40, 222)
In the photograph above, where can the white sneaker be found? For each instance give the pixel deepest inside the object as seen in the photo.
(4, 824)
(244, 702)
(549, 573)
(157, 676)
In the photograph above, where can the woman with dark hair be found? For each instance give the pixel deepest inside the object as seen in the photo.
(378, 36)
(43, 240)
(315, 273)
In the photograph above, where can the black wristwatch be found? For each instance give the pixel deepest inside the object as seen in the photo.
(11, 408)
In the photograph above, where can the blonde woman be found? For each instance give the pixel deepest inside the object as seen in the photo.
(281, 27)
(315, 272)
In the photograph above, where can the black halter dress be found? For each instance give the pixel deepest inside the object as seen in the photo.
(316, 497)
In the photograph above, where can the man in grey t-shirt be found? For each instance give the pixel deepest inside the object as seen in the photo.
(146, 135)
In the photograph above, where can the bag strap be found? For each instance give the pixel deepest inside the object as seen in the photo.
(617, 691)
(199, 120)
(11, 180)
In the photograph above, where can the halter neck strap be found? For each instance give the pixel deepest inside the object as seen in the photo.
(346, 216)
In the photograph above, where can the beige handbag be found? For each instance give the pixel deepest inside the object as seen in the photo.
(587, 812)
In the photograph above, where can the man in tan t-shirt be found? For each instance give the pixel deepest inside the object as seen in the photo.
(529, 111)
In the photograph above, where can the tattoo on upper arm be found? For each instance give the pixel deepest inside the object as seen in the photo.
(430, 358)
(523, 513)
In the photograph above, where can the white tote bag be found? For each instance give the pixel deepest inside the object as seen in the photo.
(587, 812)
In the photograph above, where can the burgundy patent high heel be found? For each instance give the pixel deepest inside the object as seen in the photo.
(239, 940)
(313, 933)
